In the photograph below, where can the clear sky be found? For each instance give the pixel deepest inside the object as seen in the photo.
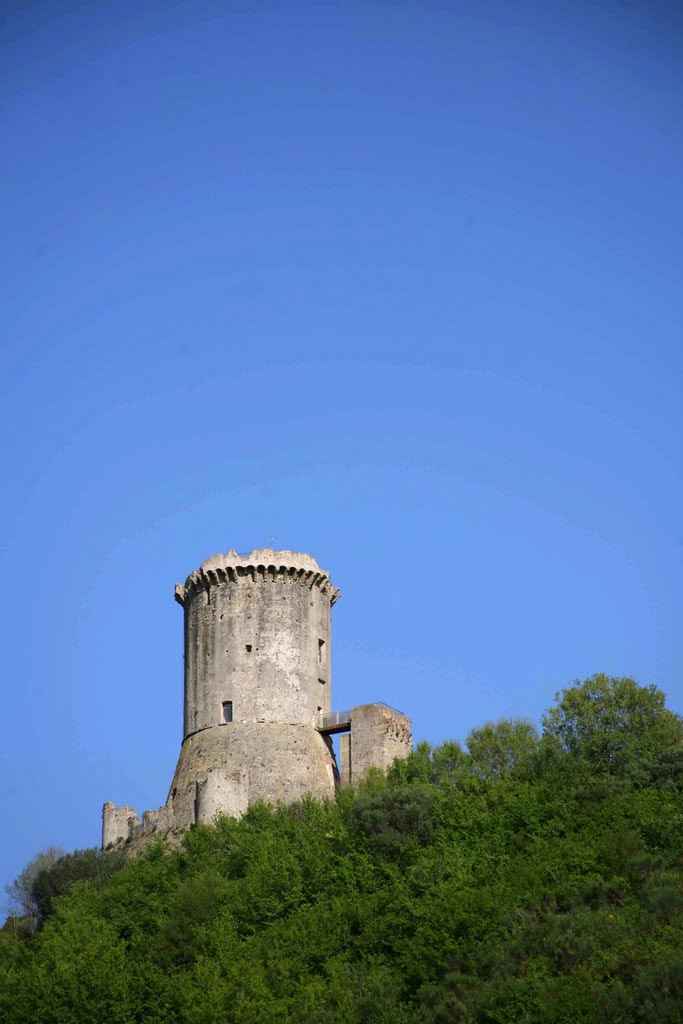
(397, 284)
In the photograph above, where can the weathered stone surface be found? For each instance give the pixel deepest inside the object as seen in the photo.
(117, 823)
(260, 641)
(155, 821)
(280, 762)
(345, 760)
(221, 793)
(378, 735)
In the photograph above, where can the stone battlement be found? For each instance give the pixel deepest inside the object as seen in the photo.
(262, 564)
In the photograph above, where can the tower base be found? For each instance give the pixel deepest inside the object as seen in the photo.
(262, 761)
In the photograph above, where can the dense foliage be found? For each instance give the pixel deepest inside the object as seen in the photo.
(526, 878)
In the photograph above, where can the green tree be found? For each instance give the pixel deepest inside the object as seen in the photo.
(397, 822)
(498, 748)
(79, 969)
(21, 892)
(613, 723)
(94, 866)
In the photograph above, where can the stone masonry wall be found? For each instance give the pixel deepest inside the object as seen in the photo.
(221, 793)
(378, 735)
(117, 823)
(279, 762)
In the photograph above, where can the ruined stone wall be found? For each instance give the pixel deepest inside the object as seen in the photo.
(121, 824)
(378, 735)
(155, 821)
(117, 823)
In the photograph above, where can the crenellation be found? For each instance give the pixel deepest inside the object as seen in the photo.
(117, 823)
(228, 568)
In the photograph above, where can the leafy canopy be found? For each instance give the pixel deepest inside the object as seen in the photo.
(613, 723)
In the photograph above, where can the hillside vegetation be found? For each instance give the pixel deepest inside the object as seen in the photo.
(525, 878)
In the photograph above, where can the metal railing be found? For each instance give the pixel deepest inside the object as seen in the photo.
(332, 719)
(390, 706)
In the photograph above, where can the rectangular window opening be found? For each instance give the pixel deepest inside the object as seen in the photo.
(321, 645)
(248, 646)
(226, 709)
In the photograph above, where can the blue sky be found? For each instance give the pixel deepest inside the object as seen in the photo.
(398, 284)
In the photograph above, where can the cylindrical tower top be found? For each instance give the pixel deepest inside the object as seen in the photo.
(259, 562)
(257, 640)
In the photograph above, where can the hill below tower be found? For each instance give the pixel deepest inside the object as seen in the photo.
(530, 878)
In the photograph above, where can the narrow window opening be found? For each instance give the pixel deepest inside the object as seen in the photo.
(321, 644)
(226, 708)
(322, 682)
(248, 646)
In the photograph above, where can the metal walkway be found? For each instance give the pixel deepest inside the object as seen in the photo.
(330, 722)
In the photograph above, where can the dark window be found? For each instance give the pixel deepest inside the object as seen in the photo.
(226, 708)
(248, 648)
(321, 644)
(322, 682)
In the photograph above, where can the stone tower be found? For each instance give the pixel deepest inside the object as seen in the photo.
(258, 712)
(257, 674)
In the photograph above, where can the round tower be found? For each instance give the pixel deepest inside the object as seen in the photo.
(257, 674)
